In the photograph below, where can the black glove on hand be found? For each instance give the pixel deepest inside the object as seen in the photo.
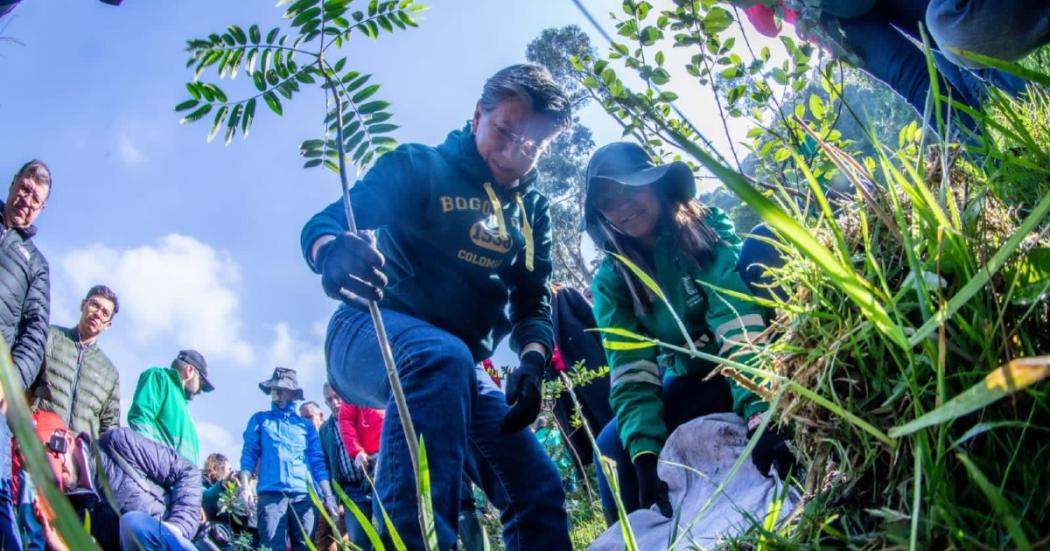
(523, 392)
(650, 488)
(351, 261)
(772, 450)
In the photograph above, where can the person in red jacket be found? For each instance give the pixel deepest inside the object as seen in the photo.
(360, 428)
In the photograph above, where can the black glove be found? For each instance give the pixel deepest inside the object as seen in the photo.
(351, 261)
(772, 450)
(523, 392)
(650, 488)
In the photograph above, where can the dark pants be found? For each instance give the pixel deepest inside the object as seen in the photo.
(1003, 29)
(360, 496)
(879, 38)
(458, 411)
(285, 518)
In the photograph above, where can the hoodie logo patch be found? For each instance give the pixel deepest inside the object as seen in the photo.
(485, 234)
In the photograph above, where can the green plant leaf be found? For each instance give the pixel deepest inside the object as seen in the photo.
(372, 107)
(1000, 382)
(426, 499)
(621, 345)
(365, 93)
(220, 117)
(247, 118)
(196, 115)
(717, 20)
(188, 104)
(273, 102)
(1032, 275)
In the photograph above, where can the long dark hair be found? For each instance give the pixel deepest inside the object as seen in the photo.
(686, 221)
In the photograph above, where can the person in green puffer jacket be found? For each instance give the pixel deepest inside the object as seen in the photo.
(78, 382)
(647, 213)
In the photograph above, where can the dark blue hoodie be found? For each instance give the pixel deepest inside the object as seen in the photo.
(459, 249)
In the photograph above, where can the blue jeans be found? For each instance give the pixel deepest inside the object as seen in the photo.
(9, 536)
(458, 410)
(358, 494)
(887, 55)
(141, 532)
(684, 398)
(1003, 29)
(284, 518)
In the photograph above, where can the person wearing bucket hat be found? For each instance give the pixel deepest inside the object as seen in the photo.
(160, 406)
(646, 213)
(285, 450)
(461, 259)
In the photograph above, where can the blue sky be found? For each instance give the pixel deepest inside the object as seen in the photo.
(199, 240)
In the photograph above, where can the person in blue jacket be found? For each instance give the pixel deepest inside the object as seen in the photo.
(463, 259)
(285, 450)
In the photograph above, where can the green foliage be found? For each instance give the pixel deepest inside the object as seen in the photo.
(563, 165)
(900, 291)
(284, 61)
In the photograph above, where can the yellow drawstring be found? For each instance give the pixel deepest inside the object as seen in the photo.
(497, 208)
(526, 229)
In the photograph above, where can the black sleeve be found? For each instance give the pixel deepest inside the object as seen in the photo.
(27, 351)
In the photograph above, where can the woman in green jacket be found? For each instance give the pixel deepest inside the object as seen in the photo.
(648, 214)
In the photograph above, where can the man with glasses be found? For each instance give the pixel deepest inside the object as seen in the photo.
(78, 381)
(25, 301)
(461, 259)
(160, 406)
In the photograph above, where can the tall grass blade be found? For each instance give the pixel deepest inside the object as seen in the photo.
(999, 504)
(1001, 382)
(364, 521)
(978, 281)
(648, 281)
(21, 421)
(425, 500)
(1005, 66)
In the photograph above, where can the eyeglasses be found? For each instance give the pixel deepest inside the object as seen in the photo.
(94, 305)
(36, 194)
(529, 148)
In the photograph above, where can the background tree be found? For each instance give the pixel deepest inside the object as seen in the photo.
(563, 167)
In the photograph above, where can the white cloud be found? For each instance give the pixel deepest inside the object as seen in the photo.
(128, 150)
(179, 289)
(215, 439)
(305, 356)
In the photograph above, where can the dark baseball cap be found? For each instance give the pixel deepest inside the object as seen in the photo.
(196, 359)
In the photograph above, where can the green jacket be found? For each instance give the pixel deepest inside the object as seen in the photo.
(718, 324)
(159, 410)
(80, 384)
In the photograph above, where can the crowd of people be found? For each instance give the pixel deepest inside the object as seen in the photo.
(471, 266)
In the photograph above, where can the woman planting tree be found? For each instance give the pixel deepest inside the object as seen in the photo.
(647, 214)
(463, 234)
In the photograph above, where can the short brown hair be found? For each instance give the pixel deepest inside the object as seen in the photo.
(106, 293)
